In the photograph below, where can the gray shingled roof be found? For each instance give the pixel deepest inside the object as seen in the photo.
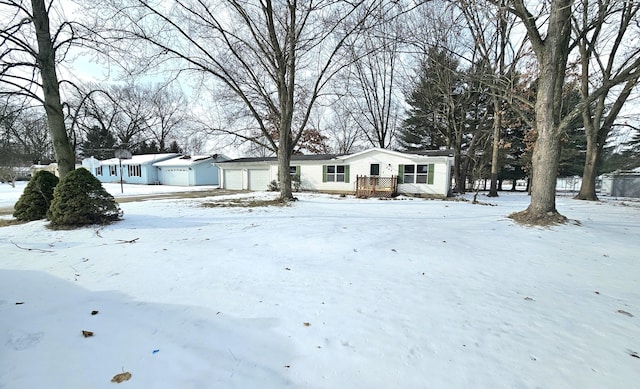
(327, 157)
(295, 157)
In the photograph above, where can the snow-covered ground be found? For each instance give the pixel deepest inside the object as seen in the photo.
(329, 292)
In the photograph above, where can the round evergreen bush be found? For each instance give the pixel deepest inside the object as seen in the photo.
(36, 198)
(80, 199)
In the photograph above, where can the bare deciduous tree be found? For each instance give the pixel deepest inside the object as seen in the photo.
(133, 113)
(370, 86)
(275, 57)
(490, 29)
(170, 116)
(602, 29)
(28, 64)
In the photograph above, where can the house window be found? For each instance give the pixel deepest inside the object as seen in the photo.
(135, 171)
(374, 170)
(113, 170)
(416, 174)
(294, 170)
(335, 173)
(422, 174)
(408, 174)
(99, 171)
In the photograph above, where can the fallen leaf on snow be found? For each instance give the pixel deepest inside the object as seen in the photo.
(528, 298)
(87, 334)
(306, 324)
(121, 377)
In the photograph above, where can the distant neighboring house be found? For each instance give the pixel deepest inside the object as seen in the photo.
(568, 184)
(622, 183)
(12, 174)
(373, 172)
(137, 170)
(190, 170)
(51, 168)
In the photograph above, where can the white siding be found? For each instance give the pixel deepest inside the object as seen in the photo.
(256, 175)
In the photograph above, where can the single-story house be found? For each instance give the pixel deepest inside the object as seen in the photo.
(51, 168)
(371, 172)
(622, 183)
(137, 170)
(190, 170)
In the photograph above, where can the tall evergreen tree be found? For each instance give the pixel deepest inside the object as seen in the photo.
(449, 109)
(174, 147)
(425, 127)
(99, 143)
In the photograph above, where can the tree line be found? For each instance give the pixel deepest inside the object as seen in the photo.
(513, 89)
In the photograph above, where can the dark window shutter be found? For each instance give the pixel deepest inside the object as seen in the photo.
(430, 174)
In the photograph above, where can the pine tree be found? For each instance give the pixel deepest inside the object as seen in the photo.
(426, 125)
(175, 148)
(99, 143)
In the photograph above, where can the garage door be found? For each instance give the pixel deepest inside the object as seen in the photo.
(258, 179)
(233, 179)
(175, 176)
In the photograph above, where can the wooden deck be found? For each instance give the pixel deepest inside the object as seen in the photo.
(367, 186)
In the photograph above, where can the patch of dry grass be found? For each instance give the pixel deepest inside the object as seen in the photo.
(245, 203)
(10, 222)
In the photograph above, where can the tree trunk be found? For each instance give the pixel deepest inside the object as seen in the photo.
(588, 185)
(546, 153)
(51, 90)
(284, 177)
(497, 123)
(545, 167)
(457, 171)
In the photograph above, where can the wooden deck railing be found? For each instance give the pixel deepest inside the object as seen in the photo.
(376, 186)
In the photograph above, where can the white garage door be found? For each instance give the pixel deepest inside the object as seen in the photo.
(233, 179)
(258, 179)
(175, 176)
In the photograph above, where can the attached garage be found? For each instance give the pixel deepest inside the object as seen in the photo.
(175, 176)
(233, 179)
(190, 170)
(258, 179)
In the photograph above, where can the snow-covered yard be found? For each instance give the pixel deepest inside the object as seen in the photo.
(329, 292)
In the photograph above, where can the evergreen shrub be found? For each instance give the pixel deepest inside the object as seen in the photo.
(36, 198)
(80, 199)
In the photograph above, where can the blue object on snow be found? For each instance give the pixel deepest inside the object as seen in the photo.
(155, 351)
